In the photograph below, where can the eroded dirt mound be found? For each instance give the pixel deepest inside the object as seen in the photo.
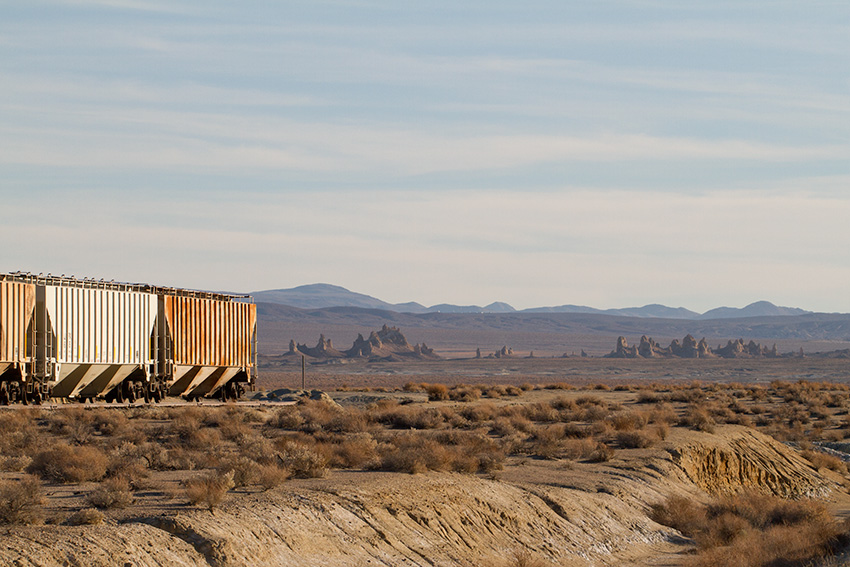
(564, 512)
(394, 519)
(735, 458)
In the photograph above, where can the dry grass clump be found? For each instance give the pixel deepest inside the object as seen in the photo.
(272, 475)
(85, 517)
(21, 501)
(67, 464)
(302, 457)
(243, 471)
(567, 441)
(465, 393)
(410, 417)
(630, 420)
(112, 493)
(699, 418)
(823, 461)
(635, 439)
(209, 489)
(452, 451)
(752, 529)
(354, 451)
(437, 392)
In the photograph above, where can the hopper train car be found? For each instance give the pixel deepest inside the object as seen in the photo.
(90, 339)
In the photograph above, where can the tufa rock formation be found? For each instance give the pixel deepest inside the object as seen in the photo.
(387, 344)
(690, 348)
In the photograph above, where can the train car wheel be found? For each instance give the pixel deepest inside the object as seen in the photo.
(4, 394)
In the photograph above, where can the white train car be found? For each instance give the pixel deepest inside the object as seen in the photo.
(96, 336)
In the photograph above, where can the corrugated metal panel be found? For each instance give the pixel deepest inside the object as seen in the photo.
(101, 326)
(17, 302)
(210, 332)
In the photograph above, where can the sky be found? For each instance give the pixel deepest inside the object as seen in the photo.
(605, 153)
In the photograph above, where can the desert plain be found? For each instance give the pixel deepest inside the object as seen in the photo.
(505, 462)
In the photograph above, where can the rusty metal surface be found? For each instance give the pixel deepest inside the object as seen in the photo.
(211, 332)
(17, 303)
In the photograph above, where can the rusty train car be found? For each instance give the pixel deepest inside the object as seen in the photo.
(91, 339)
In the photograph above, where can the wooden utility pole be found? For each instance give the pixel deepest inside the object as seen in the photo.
(303, 372)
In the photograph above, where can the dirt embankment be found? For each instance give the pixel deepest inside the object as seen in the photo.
(569, 513)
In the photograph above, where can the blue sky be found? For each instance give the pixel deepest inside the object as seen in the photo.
(600, 153)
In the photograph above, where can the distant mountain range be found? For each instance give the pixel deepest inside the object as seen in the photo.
(320, 296)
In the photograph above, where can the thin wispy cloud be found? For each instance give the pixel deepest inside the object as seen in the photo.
(611, 153)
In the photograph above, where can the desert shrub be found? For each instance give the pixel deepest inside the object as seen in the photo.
(20, 501)
(753, 529)
(681, 513)
(407, 417)
(465, 393)
(579, 430)
(629, 421)
(547, 441)
(513, 391)
(540, 412)
(690, 396)
(563, 403)
(601, 453)
(663, 413)
(317, 414)
(634, 439)
(452, 450)
(287, 417)
(112, 493)
(109, 423)
(412, 454)
(698, 418)
(257, 448)
(85, 517)
(496, 391)
(576, 449)
(645, 397)
(479, 412)
(822, 460)
(348, 421)
(243, 471)
(127, 461)
(302, 459)
(235, 430)
(503, 426)
(63, 463)
(595, 413)
(209, 489)
(203, 439)
(271, 476)
(437, 392)
(354, 451)
(18, 433)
